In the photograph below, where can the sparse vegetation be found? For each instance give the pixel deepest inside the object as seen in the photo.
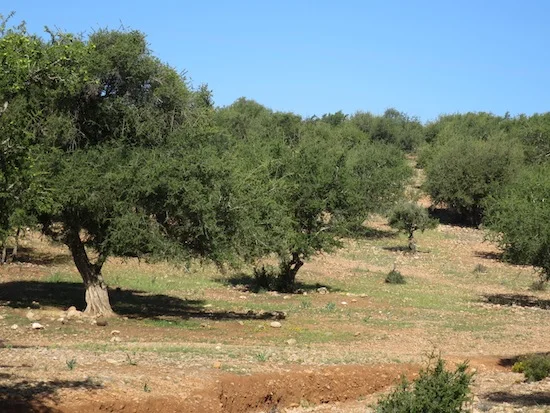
(71, 364)
(395, 277)
(535, 367)
(436, 390)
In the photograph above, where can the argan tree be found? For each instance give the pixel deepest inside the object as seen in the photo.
(410, 217)
(462, 172)
(103, 118)
(519, 216)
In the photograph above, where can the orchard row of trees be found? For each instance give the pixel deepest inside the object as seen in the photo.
(112, 152)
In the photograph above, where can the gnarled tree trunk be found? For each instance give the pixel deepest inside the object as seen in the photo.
(97, 296)
(289, 269)
(412, 243)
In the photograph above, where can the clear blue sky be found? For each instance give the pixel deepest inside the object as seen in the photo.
(313, 57)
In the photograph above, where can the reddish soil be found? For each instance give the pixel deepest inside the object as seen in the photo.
(229, 393)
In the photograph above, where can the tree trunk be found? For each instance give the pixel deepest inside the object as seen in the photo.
(289, 269)
(4, 254)
(16, 246)
(412, 243)
(97, 296)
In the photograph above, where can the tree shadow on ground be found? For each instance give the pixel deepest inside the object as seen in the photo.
(129, 303)
(21, 396)
(496, 256)
(33, 256)
(405, 249)
(366, 232)
(247, 282)
(447, 216)
(509, 362)
(539, 398)
(517, 300)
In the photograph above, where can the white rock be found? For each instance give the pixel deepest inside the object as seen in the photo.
(275, 324)
(291, 342)
(37, 326)
(31, 316)
(344, 303)
(14, 327)
(115, 339)
(72, 312)
(115, 332)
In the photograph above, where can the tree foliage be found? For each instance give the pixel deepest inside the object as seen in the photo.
(410, 217)
(462, 172)
(519, 216)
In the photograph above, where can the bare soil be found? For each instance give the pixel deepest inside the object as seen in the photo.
(202, 346)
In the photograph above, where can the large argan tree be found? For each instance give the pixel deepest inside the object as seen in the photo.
(117, 139)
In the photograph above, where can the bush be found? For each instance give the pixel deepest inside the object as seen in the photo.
(463, 172)
(535, 367)
(395, 277)
(436, 390)
(480, 268)
(518, 217)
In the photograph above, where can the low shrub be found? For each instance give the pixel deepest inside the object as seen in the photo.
(535, 367)
(395, 277)
(436, 390)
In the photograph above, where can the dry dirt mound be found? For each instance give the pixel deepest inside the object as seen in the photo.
(233, 394)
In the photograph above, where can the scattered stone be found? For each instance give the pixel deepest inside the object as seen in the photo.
(101, 322)
(353, 300)
(242, 297)
(1, 317)
(286, 297)
(111, 361)
(208, 306)
(115, 339)
(363, 296)
(357, 334)
(32, 316)
(344, 303)
(278, 315)
(204, 325)
(241, 323)
(115, 332)
(217, 365)
(14, 327)
(291, 342)
(62, 320)
(275, 324)
(218, 347)
(72, 312)
(35, 305)
(37, 326)
(322, 290)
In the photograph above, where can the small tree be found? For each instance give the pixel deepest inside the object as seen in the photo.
(519, 217)
(410, 217)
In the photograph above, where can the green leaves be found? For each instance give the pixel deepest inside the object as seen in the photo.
(461, 173)
(519, 215)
